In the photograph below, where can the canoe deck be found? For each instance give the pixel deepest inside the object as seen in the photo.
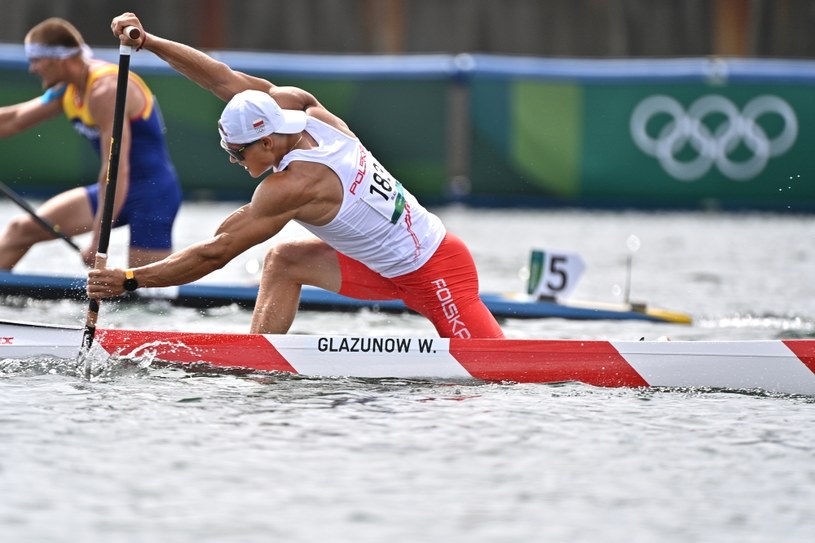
(204, 296)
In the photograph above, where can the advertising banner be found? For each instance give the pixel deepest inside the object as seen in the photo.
(631, 140)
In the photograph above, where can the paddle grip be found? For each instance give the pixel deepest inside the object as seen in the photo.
(132, 32)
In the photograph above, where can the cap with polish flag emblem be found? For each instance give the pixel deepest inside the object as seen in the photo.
(252, 114)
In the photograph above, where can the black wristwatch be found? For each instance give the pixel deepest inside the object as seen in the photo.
(130, 283)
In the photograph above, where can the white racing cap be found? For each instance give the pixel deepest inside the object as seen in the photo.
(252, 114)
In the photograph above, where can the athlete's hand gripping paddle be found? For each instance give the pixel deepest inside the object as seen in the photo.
(110, 191)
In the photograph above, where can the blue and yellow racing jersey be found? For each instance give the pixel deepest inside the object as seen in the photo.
(149, 157)
(154, 193)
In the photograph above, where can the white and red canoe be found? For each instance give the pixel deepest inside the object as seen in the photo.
(785, 366)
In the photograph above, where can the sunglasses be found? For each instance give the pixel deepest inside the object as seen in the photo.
(237, 154)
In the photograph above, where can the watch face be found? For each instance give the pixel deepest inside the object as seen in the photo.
(131, 284)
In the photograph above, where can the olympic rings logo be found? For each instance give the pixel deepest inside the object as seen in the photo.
(688, 129)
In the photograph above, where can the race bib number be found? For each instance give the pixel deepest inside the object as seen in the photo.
(554, 274)
(382, 192)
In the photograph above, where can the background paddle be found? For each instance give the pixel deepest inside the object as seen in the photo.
(17, 199)
(110, 191)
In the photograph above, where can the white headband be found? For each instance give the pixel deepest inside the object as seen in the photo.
(39, 50)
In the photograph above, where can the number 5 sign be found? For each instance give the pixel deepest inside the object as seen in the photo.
(554, 274)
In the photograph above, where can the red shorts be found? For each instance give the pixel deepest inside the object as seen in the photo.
(445, 290)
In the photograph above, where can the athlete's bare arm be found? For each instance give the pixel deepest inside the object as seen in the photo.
(277, 200)
(217, 77)
(20, 117)
(209, 73)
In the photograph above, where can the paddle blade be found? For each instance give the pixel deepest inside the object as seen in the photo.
(93, 361)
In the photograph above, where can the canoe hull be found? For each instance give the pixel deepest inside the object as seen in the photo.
(786, 366)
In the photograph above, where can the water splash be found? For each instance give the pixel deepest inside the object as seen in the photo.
(790, 326)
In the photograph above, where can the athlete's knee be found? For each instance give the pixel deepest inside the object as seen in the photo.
(23, 231)
(285, 259)
(277, 259)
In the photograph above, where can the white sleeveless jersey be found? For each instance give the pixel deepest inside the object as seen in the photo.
(379, 222)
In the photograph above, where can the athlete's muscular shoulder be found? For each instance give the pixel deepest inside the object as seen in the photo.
(302, 100)
(332, 120)
(307, 191)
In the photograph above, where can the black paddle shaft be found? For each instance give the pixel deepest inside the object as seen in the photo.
(110, 191)
(17, 199)
(115, 148)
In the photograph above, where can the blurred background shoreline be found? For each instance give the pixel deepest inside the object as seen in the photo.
(622, 104)
(580, 28)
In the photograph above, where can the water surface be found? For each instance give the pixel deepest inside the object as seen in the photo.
(154, 453)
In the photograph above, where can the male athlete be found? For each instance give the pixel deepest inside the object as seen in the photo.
(375, 241)
(148, 194)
